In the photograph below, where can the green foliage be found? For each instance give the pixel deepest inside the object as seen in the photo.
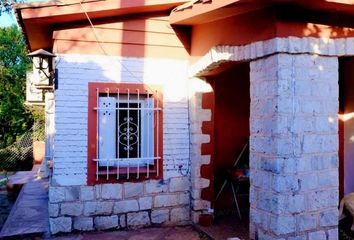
(15, 118)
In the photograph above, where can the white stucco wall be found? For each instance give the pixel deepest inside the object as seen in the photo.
(71, 100)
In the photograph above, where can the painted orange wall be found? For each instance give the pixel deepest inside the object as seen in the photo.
(231, 129)
(237, 30)
(262, 25)
(137, 36)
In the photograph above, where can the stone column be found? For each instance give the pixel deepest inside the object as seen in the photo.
(294, 147)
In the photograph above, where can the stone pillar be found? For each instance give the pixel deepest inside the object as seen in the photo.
(294, 147)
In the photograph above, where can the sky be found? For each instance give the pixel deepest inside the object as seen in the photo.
(7, 19)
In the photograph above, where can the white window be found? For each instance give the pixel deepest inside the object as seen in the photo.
(126, 130)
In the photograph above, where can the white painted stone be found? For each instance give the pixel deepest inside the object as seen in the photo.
(159, 215)
(317, 235)
(122, 221)
(138, 219)
(98, 208)
(87, 193)
(60, 224)
(71, 193)
(133, 190)
(56, 194)
(166, 200)
(145, 203)
(126, 206)
(180, 215)
(107, 222)
(179, 184)
(111, 191)
(83, 223)
(53, 210)
(71, 209)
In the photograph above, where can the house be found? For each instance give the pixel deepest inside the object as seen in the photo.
(151, 104)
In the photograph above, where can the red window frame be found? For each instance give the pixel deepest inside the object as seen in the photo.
(157, 171)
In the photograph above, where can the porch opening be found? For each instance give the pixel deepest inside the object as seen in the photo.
(230, 165)
(346, 138)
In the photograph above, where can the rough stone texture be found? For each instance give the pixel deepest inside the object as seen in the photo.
(83, 223)
(293, 146)
(60, 224)
(253, 51)
(179, 184)
(72, 193)
(160, 216)
(155, 186)
(317, 235)
(166, 200)
(179, 215)
(111, 191)
(71, 209)
(98, 208)
(138, 219)
(87, 193)
(145, 203)
(197, 116)
(133, 190)
(126, 206)
(53, 210)
(56, 194)
(122, 221)
(106, 222)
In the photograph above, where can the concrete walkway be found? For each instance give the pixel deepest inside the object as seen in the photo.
(166, 233)
(29, 215)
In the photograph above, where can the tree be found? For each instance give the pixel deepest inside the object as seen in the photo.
(15, 119)
(7, 5)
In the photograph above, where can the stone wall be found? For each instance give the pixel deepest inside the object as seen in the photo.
(198, 115)
(294, 147)
(114, 206)
(75, 206)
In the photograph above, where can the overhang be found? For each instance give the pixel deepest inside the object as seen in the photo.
(38, 19)
(202, 11)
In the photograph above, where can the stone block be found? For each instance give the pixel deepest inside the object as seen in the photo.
(333, 234)
(329, 218)
(179, 184)
(166, 200)
(71, 209)
(53, 210)
(184, 198)
(83, 223)
(111, 191)
(138, 219)
(56, 194)
(72, 193)
(306, 222)
(145, 203)
(106, 222)
(282, 224)
(60, 224)
(133, 190)
(87, 193)
(122, 221)
(160, 216)
(98, 208)
(126, 206)
(317, 235)
(180, 215)
(156, 186)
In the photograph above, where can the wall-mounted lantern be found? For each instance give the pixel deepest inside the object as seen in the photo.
(43, 71)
